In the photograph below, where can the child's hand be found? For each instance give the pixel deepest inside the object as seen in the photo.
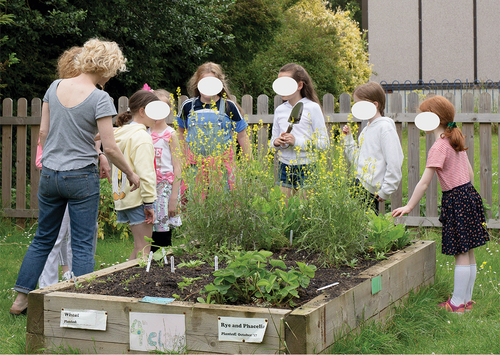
(346, 130)
(150, 215)
(135, 181)
(288, 138)
(279, 141)
(399, 212)
(172, 206)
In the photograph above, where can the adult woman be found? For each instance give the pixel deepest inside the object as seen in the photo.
(72, 113)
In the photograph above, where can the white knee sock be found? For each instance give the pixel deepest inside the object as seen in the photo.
(462, 276)
(470, 286)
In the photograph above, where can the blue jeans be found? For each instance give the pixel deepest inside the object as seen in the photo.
(79, 189)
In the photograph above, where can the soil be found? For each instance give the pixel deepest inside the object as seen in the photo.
(161, 282)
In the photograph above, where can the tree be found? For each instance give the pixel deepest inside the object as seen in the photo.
(11, 59)
(164, 41)
(328, 44)
(253, 25)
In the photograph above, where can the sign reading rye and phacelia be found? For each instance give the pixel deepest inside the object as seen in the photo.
(249, 330)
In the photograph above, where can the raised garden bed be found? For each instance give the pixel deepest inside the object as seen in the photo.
(311, 328)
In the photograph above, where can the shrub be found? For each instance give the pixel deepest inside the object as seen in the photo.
(107, 215)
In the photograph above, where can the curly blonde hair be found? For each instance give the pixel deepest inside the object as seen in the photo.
(100, 57)
(66, 63)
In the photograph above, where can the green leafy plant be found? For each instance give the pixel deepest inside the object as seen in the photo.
(384, 236)
(191, 263)
(187, 282)
(252, 277)
(108, 227)
(127, 281)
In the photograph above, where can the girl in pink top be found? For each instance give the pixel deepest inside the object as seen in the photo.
(462, 214)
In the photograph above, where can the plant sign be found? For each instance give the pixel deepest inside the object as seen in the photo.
(248, 330)
(83, 319)
(157, 332)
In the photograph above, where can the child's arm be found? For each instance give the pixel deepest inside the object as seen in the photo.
(105, 127)
(244, 142)
(417, 194)
(176, 163)
(350, 145)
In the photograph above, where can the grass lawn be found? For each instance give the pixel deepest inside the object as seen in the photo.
(417, 326)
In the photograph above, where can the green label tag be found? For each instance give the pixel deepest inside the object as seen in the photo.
(376, 284)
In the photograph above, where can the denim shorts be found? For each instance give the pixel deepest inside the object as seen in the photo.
(294, 176)
(132, 216)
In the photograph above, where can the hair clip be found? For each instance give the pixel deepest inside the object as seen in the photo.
(147, 87)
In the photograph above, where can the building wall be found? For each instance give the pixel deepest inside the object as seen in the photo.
(447, 48)
(393, 39)
(488, 46)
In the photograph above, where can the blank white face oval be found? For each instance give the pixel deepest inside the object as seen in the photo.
(157, 110)
(285, 86)
(427, 121)
(210, 86)
(364, 110)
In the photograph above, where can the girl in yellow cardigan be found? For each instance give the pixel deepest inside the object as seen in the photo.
(136, 207)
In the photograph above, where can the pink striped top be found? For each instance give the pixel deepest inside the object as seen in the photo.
(452, 167)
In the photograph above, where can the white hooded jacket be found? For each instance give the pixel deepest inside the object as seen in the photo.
(378, 157)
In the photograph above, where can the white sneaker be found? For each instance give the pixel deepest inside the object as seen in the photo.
(66, 276)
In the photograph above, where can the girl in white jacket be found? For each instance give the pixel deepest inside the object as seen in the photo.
(296, 150)
(377, 156)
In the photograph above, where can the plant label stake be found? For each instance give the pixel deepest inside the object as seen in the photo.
(164, 256)
(149, 261)
(216, 263)
(291, 237)
(172, 268)
(325, 287)
(73, 277)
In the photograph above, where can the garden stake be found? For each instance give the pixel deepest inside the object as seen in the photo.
(149, 261)
(172, 269)
(291, 237)
(216, 263)
(73, 277)
(164, 256)
(324, 287)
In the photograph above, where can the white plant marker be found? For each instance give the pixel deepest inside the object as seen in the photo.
(150, 257)
(216, 263)
(172, 268)
(291, 237)
(327, 286)
(73, 277)
(164, 256)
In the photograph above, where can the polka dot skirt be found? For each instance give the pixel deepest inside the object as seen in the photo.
(462, 216)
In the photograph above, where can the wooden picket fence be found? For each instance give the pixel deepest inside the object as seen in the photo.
(15, 133)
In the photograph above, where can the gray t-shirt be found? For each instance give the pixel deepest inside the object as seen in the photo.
(70, 142)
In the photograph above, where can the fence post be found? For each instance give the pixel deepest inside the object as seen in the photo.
(36, 110)
(22, 137)
(485, 179)
(413, 151)
(262, 143)
(7, 155)
(431, 200)
(468, 128)
(395, 108)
